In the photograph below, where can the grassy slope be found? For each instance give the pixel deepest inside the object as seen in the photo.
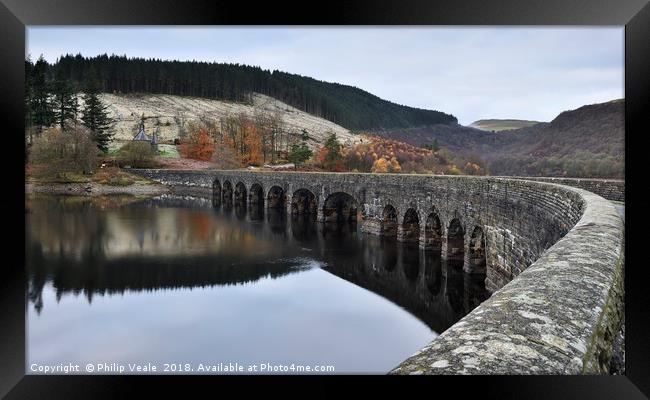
(497, 125)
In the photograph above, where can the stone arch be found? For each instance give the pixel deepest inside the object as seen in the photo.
(476, 263)
(227, 192)
(389, 221)
(410, 227)
(216, 193)
(433, 232)
(303, 202)
(340, 207)
(240, 193)
(276, 198)
(455, 239)
(256, 195)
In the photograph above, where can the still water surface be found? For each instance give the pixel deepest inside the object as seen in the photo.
(174, 280)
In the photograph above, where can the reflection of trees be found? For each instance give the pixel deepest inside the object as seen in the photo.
(143, 228)
(96, 275)
(67, 225)
(141, 247)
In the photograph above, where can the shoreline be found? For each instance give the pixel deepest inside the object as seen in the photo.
(95, 189)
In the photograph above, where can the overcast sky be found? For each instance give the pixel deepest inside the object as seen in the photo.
(470, 72)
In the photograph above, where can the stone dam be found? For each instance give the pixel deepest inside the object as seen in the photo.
(552, 255)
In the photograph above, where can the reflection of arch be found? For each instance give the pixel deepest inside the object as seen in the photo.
(227, 192)
(410, 227)
(411, 260)
(303, 228)
(433, 271)
(338, 231)
(340, 207)
(303, 201)
(256, 195)
(388, 253)
(389, 221)
(216, 193)
(276, 197)
(455, 241)
(433, 233)
(277, 220)
(240, 193)
(240, 210)
(477, 251)
(256, 213)
(454, 284)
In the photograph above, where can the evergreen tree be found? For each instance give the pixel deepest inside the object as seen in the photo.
(300, 153)
(29, 94)
(41, 106)
(64, 101)
(29, 71)
(435, 146)
(94, 115)
(333, 155)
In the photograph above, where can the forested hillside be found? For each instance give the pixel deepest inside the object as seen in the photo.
(347, 106)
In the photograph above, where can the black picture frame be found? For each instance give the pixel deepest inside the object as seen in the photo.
(16, 14)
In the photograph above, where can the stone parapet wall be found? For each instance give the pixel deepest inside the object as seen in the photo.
(610, 189)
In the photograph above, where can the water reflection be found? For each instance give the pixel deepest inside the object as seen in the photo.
(129, 246)
(438, 292)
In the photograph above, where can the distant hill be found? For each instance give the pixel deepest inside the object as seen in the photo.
(453, 137)
(586, 142)
(348, 106)
(497, 125)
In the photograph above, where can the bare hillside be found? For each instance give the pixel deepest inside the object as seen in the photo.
(165, 114)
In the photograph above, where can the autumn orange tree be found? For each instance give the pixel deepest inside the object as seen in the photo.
(225, 156)
(198, 145)
(252, 144)
(383, 164)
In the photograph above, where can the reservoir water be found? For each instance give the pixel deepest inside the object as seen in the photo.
(172, 281)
